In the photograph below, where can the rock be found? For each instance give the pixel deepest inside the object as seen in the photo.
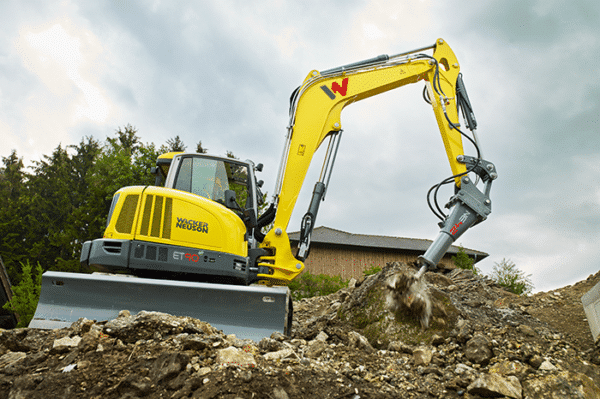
(67, 341)
(11, 357)
(422, 356)
(547, 366)
(270, 345)
(506, 367)
(145, 326)
(315, 348)
(282, 354)
(280, 393)
(478, 350)
(358, 341)
(367, 309)
(168, 365)
(561, 385)
(277, 336)
(322, 336)
(494, 385)
(462, 368)
(437, 340)
(140, 386)
(526, 330)
(400, 346)
(464, 333)
(89, 341)
(82, 326)
(535, 361)
(233, 356)
(195, 342)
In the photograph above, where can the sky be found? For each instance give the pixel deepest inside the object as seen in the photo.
(222, 72)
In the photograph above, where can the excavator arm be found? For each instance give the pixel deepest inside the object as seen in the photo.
(315, 109)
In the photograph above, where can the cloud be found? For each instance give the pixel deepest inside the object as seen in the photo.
(60, 88)
(63, 61)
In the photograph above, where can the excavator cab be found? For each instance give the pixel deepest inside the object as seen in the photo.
(198, 227)
(223, 180)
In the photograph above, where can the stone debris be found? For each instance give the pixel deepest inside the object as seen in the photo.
(479, 344)
(235, 357)
(495, 385)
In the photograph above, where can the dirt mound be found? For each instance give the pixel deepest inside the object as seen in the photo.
(482, 342)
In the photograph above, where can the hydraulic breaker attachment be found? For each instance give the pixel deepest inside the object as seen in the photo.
(469, 206)
(251, 312)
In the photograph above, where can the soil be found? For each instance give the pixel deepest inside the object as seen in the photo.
(562, 309)
(482, 341)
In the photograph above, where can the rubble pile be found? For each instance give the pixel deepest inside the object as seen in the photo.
(482, 342)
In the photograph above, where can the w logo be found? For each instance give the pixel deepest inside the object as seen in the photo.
(336, 88)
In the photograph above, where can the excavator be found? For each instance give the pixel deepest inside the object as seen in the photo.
(197, 244)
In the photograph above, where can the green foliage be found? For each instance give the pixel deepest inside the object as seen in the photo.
(308, 285)
(372, 270)
(176, 145)
(200, 149)
(463, 261)
(508, 275)
(26, 294)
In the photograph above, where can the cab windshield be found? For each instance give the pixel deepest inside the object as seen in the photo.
(210, 178)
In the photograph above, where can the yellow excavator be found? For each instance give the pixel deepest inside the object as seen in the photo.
(194, 241)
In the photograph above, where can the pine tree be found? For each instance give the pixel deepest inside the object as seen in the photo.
(26, 294)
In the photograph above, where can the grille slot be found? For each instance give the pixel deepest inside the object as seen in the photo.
(163, 253)
(138, 252)
(112, 247)
(167, 222)
(157, 216)
(151, 252)
(127, 214)
(146, 217)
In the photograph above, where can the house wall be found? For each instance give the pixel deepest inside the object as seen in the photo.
(350, 262)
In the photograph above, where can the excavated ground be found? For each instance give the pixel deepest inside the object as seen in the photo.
(482, 342)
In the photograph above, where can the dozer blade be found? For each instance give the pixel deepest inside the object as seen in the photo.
(251, 312)
(591, 307)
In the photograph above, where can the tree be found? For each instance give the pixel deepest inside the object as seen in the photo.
(26, 294)
(463, 261)
(13, 211)
(200, 149)
(175, 144)
(126, 139)
(507, 275)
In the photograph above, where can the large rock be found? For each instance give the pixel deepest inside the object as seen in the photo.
(360, 342)
(422, 356)
(495, 385)
(148, 325)
(365, 309)
(478, 350)
(561, 385)
(233, 356)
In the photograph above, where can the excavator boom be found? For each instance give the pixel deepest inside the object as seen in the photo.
(315, 115)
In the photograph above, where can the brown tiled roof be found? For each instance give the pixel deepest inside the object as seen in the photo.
(326, 235)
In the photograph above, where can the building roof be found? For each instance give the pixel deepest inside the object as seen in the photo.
(326, 235)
